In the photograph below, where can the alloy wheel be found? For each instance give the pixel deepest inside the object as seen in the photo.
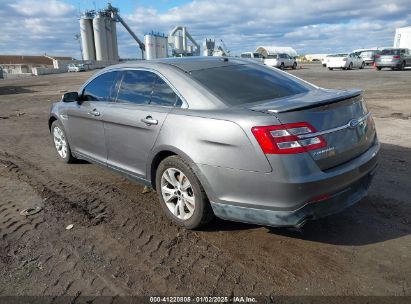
(178, 193)
(60, 142)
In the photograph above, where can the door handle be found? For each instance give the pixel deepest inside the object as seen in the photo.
(149, 121)
(94, 112)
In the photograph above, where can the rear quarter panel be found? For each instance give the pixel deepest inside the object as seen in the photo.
(211, 141)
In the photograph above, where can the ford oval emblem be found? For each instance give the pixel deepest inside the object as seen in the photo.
(353, 123)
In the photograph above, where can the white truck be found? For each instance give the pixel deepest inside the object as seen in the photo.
(280, 61)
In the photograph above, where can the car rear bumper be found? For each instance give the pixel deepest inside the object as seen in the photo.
(388, 64)
(310, 211)
(272, 63)
(260, 198)
(338, 65)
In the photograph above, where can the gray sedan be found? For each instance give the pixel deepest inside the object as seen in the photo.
(222, 137)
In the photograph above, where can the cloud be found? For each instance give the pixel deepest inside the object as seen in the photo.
(309, 26)
(35, 27)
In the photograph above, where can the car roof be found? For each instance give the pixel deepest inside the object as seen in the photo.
(187, 64)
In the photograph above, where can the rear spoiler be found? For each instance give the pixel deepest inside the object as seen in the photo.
(311, 99)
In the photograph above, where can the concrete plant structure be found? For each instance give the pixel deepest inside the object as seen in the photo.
(178, 40)
(156, 45)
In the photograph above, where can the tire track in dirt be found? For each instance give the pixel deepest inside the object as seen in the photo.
(153, 257)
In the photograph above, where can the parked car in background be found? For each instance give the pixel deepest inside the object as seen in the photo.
(345, 61)
(324, 61)
(75, 67)
(281, 61)
(368, 56)
(253, 55)
(393, 58)
(222, 136)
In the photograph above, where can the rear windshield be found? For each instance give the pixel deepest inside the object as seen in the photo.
(390, 52)
(240, 84)
(338, 55)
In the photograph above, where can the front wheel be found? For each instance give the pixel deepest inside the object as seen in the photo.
(61, 143)
(294, 65)
(282, 66)
(330, 69)
(362, 66)
(350, 66)
(181, 194)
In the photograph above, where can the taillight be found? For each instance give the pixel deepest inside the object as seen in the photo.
(396, 57)
(288, 138)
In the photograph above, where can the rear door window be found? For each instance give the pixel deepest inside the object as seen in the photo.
(99, 89)
(136, 87)
(163, 94)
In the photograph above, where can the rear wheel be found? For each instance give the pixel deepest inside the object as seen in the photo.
(61, 143)
(350, 66)
(294, 65)
(362, 66)
(378, 68)
(330, 69)
(402, 66)
(181, 194)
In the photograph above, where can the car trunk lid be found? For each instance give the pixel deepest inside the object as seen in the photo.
(339, 117)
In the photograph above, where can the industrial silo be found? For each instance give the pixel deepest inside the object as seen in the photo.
(114, 40)
(100, 37)
(109, 38)
(150, 42)
(162, 46)
(87, 36)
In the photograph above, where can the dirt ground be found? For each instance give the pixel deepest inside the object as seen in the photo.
(122, 244)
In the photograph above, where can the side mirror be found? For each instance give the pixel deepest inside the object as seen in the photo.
(70, 97)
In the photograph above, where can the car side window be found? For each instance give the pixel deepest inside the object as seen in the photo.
(163, 94)
(99, 88)
(136, 87)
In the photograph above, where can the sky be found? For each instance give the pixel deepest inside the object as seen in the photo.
(33, 27)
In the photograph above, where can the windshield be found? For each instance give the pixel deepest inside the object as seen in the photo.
(390, 52)
(240, 84)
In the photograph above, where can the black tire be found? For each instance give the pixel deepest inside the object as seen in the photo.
(294, 65)
(203, 213)
(330, 69)
(378, 68)
(362, 66)
(69, 158)
(402, 66)
(350, 66)
(282, 66)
